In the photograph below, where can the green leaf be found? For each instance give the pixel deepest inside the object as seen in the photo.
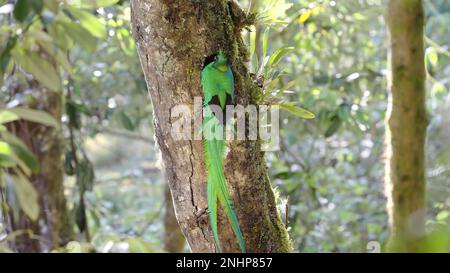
(21, 10)
(37, 5)
(11, 195)
(10, 158)
(443, 215)
(89, 22)
(358, 16)
(53, 6)
(85, 175)
(69, 168)
(5, 149)
(58, 54)
(26, 157)
(60, 36)
(438, 88)
(433, 57)
(40, 68)
(438, 240)
(278, 54)
(252, 41)
(252, 49)
(300, 112)
(80, 217)
(344, 111)
(125, 120)
(333, 127)
(305, 16)
(265, 40)
(7, 161)
(37, 116)
(126, 41)
(24, 8)
(7, 116)
(27, 196)
(22, 152)
(5, 56)
(138, 245)
(95, 4)
(73, 114)
(284, 175)
(80, 35)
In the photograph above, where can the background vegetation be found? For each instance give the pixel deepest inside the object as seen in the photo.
(328, 173)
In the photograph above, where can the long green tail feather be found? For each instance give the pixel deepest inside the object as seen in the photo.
(217, 187)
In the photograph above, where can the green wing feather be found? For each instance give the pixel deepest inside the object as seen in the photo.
(217, 81)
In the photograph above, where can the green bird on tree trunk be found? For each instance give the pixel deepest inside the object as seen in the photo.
(218, 87)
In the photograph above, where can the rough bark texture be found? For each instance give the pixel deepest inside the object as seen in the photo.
(173, 237)
(406, 118)
(174, 38)
(53, 227)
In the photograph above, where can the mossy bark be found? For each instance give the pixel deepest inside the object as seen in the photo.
(406, 127)
(53, 228)
(174, 38)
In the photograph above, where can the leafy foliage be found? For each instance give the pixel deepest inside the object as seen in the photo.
(319, 60)
(330, 169)
(18, 163)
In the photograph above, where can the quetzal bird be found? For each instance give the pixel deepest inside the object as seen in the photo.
(218, 87)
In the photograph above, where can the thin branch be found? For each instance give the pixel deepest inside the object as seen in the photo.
(125, 134)
(75, 160)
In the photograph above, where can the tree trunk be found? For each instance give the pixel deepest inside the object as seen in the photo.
(406, 127)
(174, 38)
(173, 237)
(53, 228)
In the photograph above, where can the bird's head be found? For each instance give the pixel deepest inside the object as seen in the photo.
(221, 61)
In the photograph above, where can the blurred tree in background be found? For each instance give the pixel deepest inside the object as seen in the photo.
(76, 61)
